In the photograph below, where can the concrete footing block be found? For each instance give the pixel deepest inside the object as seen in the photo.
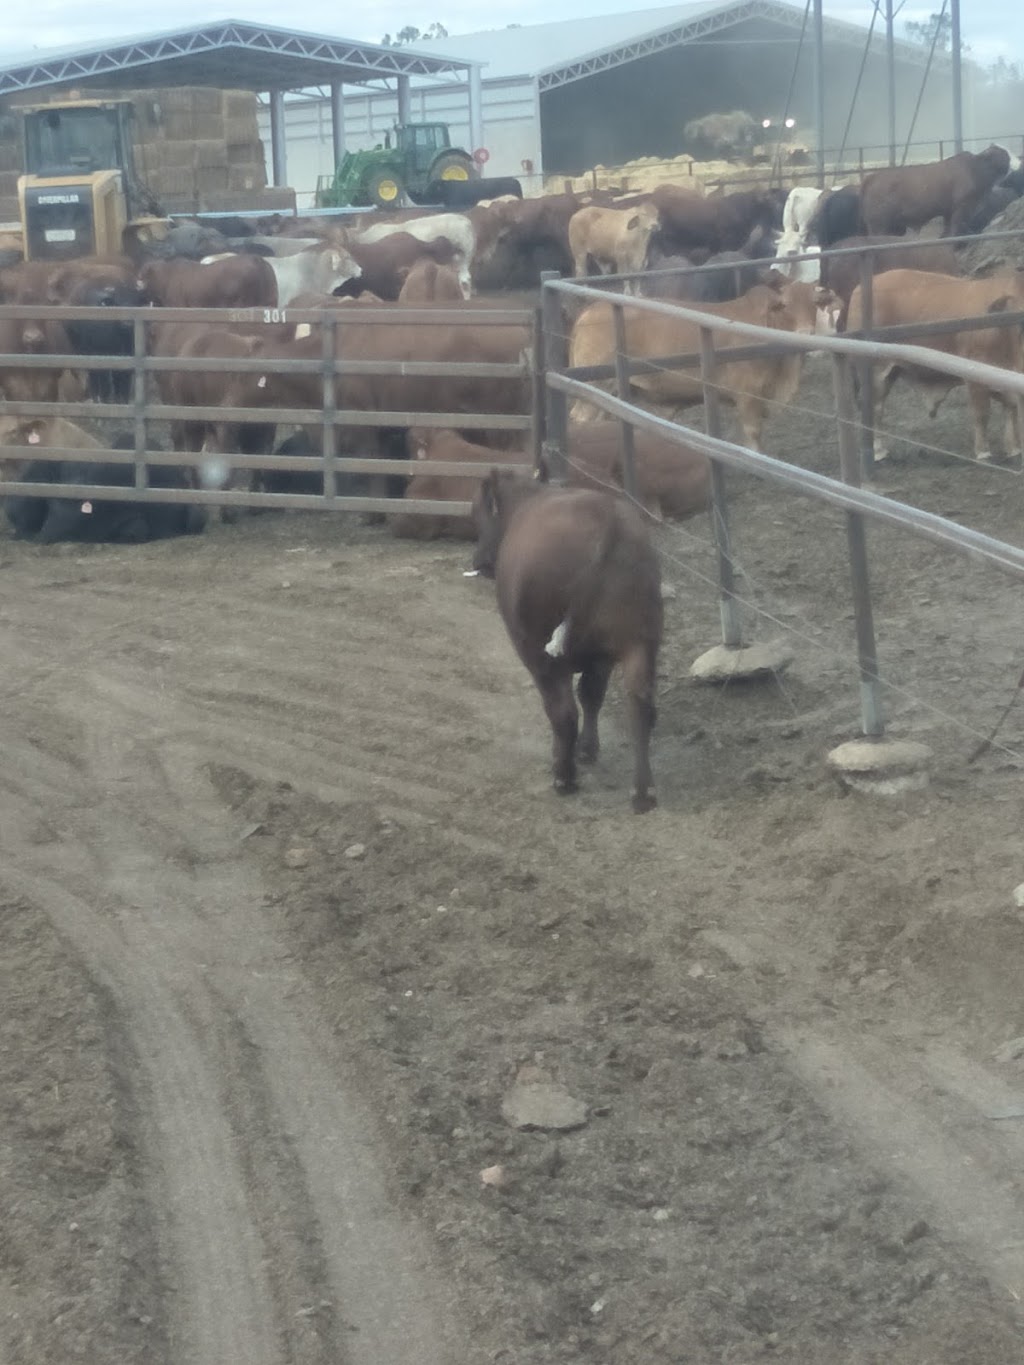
(882, 767)
(723, 664)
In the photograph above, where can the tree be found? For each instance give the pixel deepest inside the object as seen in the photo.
(411, 34)
(937, 28)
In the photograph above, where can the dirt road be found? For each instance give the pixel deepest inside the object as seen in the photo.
(288, 903)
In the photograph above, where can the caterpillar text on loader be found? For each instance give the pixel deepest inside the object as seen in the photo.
(79, 191)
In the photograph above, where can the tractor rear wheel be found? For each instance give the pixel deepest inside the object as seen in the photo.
(453, 166)
(384, 189)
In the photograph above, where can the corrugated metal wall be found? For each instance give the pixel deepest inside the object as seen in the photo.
(511, 128)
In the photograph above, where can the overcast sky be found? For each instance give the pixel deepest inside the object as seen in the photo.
(992, 28)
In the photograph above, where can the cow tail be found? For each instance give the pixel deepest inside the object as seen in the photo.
(584, 592)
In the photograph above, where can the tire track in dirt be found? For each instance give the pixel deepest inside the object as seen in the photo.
(179, 947)
(925, 1109)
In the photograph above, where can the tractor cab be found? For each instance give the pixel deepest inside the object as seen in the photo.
(419, 145)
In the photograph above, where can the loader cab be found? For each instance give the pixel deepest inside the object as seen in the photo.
(79, 186)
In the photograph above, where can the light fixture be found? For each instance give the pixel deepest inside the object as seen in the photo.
(791, 123)
(766, 123)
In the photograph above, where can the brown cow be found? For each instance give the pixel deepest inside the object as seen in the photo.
(579, 590)
(31, 337)
(428, 445)
(672, 481)
(229, 282)
(428, 282)
(516, 240)
(207, 388)
(900, 197)
(364, 340)
(841, 274)
(754, 386)
(386, 263)
(689, 220)
(908, 296)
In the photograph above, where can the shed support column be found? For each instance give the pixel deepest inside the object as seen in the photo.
(338, 121)
(476, 110)
(404, 100)
(278, 146)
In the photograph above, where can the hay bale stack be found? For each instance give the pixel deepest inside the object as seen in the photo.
(985, 256)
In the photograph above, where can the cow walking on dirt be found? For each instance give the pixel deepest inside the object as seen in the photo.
(579, 590)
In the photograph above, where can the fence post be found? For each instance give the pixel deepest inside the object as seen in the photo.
(556, 356)
(538, 429)
(622, 388)
(139, 400)
(872, 722)
(732, 635)
(330, 409)
(865, 370)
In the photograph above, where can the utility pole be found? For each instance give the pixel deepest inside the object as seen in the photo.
(890, 66)
(958, 93)
(819, 88)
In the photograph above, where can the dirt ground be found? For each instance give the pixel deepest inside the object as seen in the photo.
(289, 904)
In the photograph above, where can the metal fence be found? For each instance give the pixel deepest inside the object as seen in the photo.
(848, 163)
(846, 353)
(329, 418)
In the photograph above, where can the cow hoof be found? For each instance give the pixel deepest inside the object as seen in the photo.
(984, 457)
(566, 786)
(642, 802)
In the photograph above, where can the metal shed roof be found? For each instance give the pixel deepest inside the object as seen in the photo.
(229, 54)
(567, 50)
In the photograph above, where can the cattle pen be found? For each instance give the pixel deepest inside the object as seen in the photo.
(847, 356)
(329, 418)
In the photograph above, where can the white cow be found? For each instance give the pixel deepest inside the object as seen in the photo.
(792, 244)
(799, 209)
(317, 269)
(455, 226)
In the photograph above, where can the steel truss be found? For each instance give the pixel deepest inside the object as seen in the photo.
(838, 32)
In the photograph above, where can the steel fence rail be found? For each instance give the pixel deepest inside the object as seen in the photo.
(973, 371)
(927, 525)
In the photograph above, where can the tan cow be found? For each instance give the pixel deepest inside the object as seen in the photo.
(426, 446)
(753, 386)
(616, 241)
(428, 282)
(902, 297)
(21, 439)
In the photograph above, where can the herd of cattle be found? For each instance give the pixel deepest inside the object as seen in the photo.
(577, 581)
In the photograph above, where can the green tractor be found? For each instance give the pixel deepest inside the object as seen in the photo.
(421, 157)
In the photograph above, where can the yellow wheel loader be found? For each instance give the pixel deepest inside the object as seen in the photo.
(79, 191)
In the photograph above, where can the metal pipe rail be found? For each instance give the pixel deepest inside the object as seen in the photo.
(939, 530)
(564, 382)
(972, 371)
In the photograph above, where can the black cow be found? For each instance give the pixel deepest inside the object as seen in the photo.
(48, 520)
(309, 481)
(837, 216)
(105, 338)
